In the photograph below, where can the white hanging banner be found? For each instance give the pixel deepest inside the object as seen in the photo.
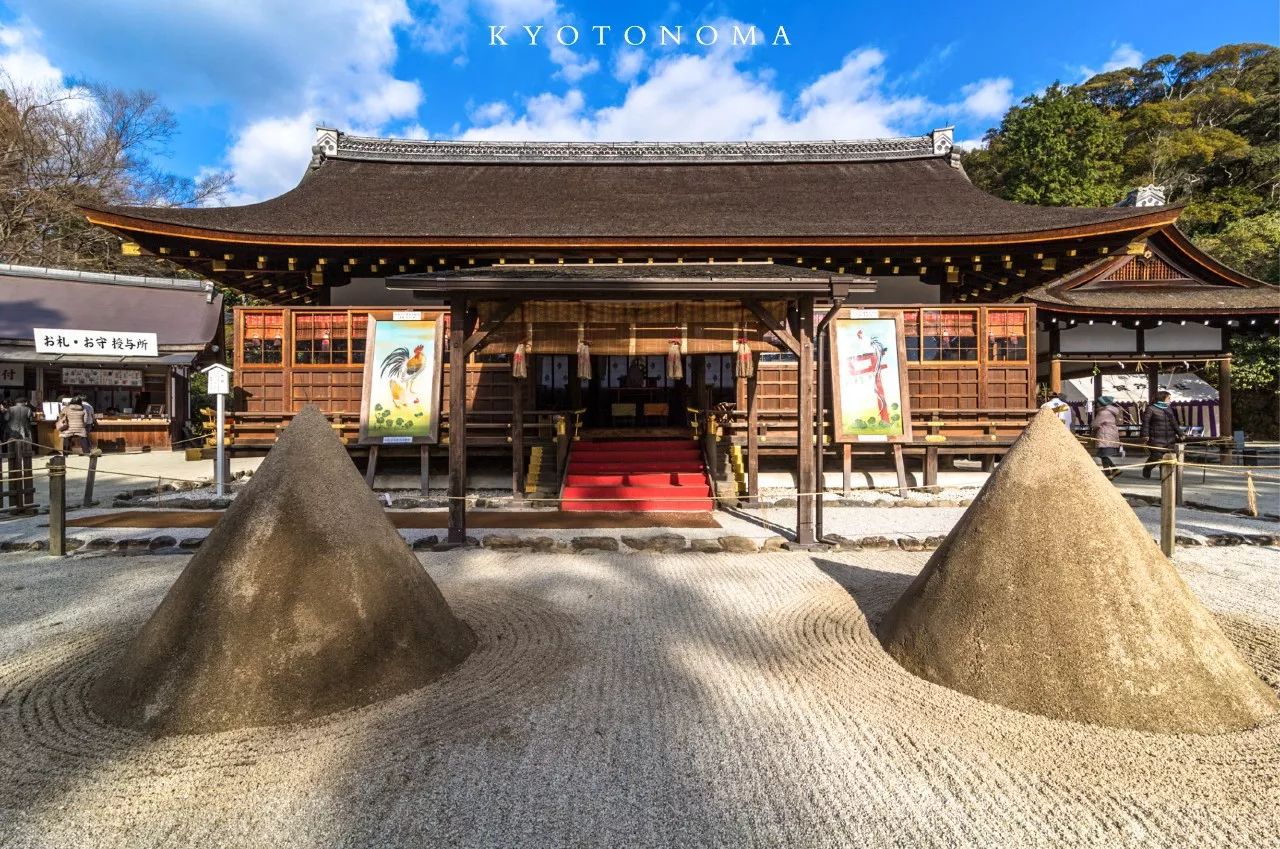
(101, 377)
(60, 340)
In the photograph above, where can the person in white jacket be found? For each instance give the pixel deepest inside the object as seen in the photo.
(1061, 408)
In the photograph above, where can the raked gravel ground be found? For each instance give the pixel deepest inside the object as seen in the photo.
(624, 700)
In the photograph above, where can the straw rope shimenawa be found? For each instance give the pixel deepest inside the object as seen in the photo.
(303, 600)
(1049, 597)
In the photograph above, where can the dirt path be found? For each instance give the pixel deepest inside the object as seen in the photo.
(624, 700)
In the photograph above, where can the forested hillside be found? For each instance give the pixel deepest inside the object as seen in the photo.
(1202, 125)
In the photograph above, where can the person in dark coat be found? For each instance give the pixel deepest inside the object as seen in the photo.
(1106, 429)
(20, 425)
(1161, 431)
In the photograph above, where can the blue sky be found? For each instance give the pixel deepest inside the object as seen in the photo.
(249, 79)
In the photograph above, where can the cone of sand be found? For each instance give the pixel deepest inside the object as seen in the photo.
(1050, 597)
(303, 600)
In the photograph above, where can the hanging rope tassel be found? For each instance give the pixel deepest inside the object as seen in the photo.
(584, 360)
(519, 362)
(675, 361)
(1251, 493)
(746, 365)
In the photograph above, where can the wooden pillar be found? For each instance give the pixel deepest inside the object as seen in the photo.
(575, 384)
(1055, 375)
(806, 477)
(846, 469)
(699, 382)
(1224, 398)
(1097, 386)
(457, 419)
(931, 466)
(900, 469)
(1153, 381)
(753, 437)
(518, 387)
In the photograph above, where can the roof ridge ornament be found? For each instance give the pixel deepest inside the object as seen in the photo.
(1150, 195)
(327, 142)
(333, 144)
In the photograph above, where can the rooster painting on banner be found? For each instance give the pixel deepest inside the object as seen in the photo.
(401, 401)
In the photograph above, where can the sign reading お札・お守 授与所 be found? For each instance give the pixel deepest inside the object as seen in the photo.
(11, 375)
(110, 343)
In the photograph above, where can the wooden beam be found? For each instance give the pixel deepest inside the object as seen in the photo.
(424, 471)
(457, 421)
(806, 530)
(846, 470)
(753, 438)
(1224, 398)
(900, 468)
(517, 438)
(769, 321)
(475, 340)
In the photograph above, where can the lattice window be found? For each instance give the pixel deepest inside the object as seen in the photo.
(949, 335)
(263, 342)
(911, 334)
(321, 339)
(1007, 335)
(1142, 268)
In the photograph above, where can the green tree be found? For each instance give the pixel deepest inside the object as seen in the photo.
(1250, 245)
(1055, 149)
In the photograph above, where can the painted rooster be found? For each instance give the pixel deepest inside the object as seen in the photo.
(400, 369)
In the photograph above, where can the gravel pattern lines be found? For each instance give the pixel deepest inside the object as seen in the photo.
(624, 700)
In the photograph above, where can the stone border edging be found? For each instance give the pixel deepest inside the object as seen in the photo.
(663, 543)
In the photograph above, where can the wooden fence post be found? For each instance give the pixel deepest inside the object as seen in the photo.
(1168, 504)
(57, 506)
(1180, 451)
(90, 475)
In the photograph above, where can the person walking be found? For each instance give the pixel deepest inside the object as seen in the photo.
(90, 416)
(1160, 430)
(1061, 409)
(20, 423)
(1106, 429)
(72, 425)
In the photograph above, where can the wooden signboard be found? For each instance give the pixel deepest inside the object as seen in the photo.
(400, 403)
(869, 378)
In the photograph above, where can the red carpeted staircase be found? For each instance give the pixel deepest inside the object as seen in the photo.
(637, 476)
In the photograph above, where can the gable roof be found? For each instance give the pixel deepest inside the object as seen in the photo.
(362, 190)
(1170, 277)
(184, 314)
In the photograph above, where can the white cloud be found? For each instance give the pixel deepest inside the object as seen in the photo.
(987, 98)
(1123, 56)
(279, 65)
(707, 96)
(490, 113)
(628, 63)
(22, 61)
(269, 155)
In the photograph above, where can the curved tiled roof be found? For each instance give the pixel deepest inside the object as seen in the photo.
(884, 189)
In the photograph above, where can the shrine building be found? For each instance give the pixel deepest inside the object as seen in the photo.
(598, 295)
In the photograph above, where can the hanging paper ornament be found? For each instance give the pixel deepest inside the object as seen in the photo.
(746, 364)
(584, 360)
(675, 361)
(519, 363)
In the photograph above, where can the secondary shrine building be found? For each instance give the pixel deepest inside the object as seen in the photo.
(819, 301)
